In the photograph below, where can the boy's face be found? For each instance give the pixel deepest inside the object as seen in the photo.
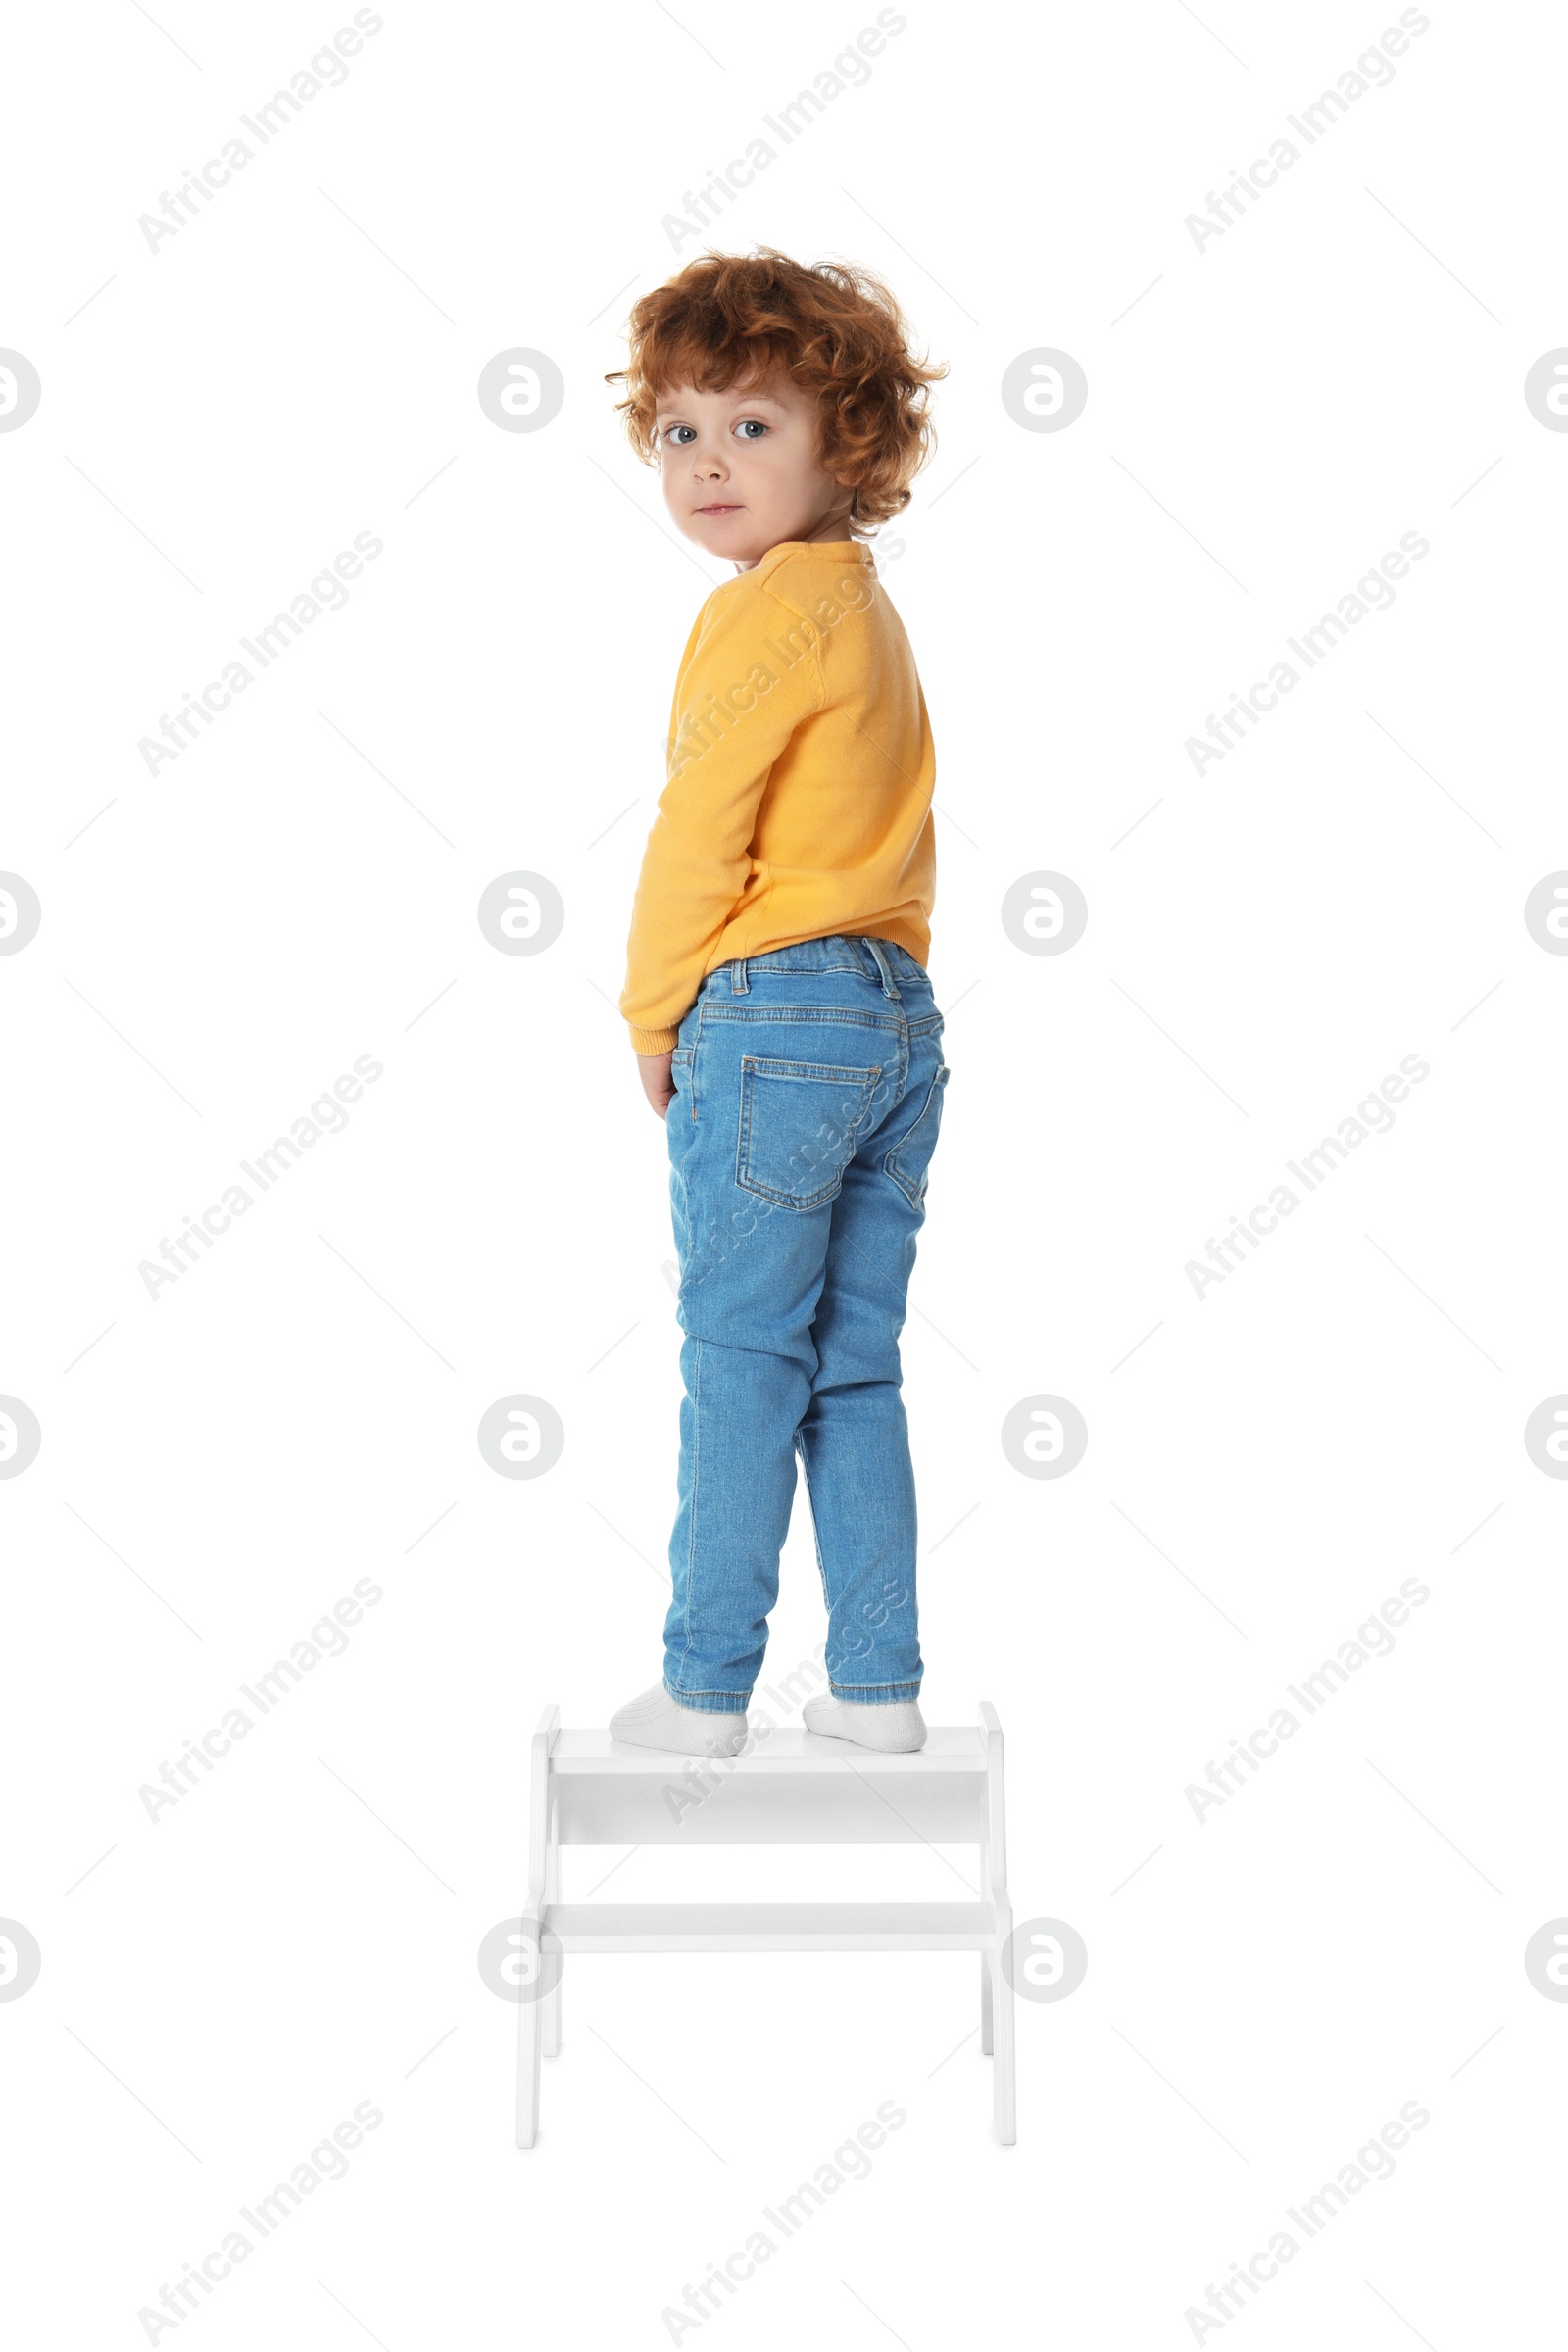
(741, 471)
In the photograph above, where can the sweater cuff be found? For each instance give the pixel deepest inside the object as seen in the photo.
(654, 1041)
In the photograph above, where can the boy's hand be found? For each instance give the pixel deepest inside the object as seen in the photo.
(654, 1069)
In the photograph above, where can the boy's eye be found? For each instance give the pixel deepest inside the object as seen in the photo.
(672, 434)
(752, 427)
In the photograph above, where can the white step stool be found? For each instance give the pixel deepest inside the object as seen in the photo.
(796, 1788)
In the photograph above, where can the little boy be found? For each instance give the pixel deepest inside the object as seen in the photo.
(776, 993)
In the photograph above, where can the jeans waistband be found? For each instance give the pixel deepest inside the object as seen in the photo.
(882, 959)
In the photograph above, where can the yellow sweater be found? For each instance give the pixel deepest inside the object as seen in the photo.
(801, 772)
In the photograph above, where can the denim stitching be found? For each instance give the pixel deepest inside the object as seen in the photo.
(806, 1480)
(899, 1693)
(691, 1541)
(806, 1013)
(764, 1192)
(812, 967)
(914, 1198)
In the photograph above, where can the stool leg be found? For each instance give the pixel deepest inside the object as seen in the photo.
(529, 2036)
(985, 2003)
(994, 1866)
(551, 2003)
(1002, 2084)
(540, 1845)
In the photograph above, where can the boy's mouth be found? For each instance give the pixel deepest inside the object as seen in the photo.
(719, 510)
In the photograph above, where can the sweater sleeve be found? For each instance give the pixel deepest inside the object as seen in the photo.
(753, 676)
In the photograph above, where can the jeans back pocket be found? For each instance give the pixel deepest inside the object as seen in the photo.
(909, 1164)
(798, 1127)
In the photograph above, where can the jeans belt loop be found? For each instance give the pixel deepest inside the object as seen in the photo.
(889, 987)
(739, 985)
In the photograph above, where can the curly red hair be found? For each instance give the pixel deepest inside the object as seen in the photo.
(834, 330)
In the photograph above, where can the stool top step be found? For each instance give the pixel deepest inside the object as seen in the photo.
(948, 1748)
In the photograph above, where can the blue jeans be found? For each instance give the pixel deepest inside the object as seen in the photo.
(809, 1096)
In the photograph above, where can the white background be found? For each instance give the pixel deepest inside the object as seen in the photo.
(1265, 1464)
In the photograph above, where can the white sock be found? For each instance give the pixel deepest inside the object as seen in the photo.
(654, 1720)
(895, 1730)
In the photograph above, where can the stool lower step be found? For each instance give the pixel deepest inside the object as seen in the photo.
(771, 1926)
